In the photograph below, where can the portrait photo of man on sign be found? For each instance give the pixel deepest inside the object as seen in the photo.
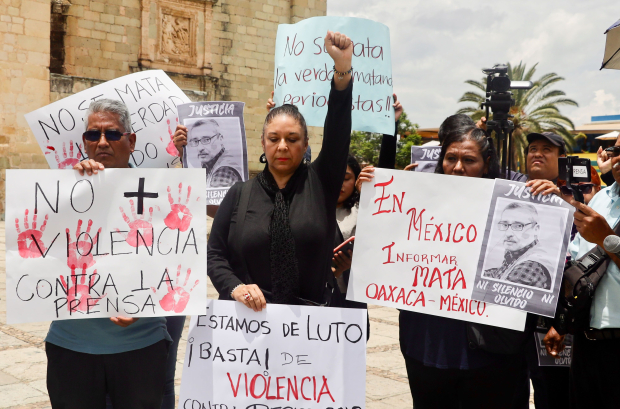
(525, 234)
(215, 145)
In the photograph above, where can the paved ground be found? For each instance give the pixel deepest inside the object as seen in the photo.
(23, 362)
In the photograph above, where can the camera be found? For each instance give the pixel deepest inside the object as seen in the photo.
(574, 170)
(499, 100)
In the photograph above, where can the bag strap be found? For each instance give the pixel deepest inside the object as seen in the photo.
(594, 263)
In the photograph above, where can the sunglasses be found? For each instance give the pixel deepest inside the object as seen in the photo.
(585, 189)
(613, 151)
(110, 135)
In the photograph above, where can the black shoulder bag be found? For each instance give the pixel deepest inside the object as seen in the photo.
(579, 282)
(331, 295)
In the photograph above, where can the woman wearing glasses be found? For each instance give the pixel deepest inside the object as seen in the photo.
(448, 369)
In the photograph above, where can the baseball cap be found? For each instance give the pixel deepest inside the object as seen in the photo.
(554, 138)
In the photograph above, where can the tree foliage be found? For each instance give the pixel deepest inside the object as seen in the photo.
(365, 146)
(535, 110)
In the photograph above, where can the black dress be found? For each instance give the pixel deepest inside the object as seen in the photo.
(312, 217)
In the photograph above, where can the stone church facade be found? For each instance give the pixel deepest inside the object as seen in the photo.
(212, 49)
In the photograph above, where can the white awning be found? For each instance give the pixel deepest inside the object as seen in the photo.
(611, 136)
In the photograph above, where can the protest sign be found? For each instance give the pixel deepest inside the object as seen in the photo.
(152, 99)
(426, 158)
(563, 359)
(283, 356)
(124, 242)
(216, 142)
(523, 249)
(304, 71)
(418, 238)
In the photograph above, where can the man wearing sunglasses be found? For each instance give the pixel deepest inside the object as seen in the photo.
(124, 358)
(525, 261)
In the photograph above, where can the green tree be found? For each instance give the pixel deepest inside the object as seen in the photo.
(535, 110)
(365, 146)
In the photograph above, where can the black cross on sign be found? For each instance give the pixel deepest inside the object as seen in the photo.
(141, 194)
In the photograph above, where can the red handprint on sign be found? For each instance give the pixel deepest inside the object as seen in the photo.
(171, 149)
(81, 250)
(179, 217)
(67, 162)
(177, 298)
(29, 242)
(79, 295)
(144, 227)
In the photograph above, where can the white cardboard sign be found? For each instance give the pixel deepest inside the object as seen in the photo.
(417, 245)
(283, 356)
(152, 99)
(124, 242)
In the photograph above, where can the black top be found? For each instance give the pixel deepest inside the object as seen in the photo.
(312, 217)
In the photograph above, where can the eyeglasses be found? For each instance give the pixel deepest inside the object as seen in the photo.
(110, 134)
(613, 151)
(586, 189)
(503, 226)
(205, 140)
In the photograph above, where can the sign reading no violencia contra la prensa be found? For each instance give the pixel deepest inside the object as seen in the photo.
(124, 242)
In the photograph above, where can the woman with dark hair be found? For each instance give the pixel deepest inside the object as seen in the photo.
(467, 151)
(346, 216)
(272, 237)
(446, 364)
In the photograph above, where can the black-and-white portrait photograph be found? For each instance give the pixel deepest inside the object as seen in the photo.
(215, 145)
(525, 243)
(426, 158)
(523, 249)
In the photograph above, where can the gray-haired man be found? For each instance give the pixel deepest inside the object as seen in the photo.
(124, 358)
(525, 261)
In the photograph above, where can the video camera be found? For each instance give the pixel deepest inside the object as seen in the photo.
(499, 100)
(574, 170)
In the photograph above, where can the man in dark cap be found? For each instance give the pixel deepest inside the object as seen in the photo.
(543, 151)
(550, 383)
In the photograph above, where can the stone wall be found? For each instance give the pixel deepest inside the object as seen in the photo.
(244, 37)
(213, 49)
(24, 81)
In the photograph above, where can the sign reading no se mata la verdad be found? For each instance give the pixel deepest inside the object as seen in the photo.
(152, 99)
(304, 70)
(124, 242)
(284, 356)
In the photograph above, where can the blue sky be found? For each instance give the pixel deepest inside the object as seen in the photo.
(437, 45)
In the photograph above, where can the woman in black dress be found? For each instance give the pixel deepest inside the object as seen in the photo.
(272, 238)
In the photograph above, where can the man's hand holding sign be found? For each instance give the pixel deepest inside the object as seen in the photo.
(119, 261)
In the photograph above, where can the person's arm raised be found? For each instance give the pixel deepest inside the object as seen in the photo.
(387, 153)
(340, 48)
(331, 163)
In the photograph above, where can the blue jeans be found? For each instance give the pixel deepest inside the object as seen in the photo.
(174, 325)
